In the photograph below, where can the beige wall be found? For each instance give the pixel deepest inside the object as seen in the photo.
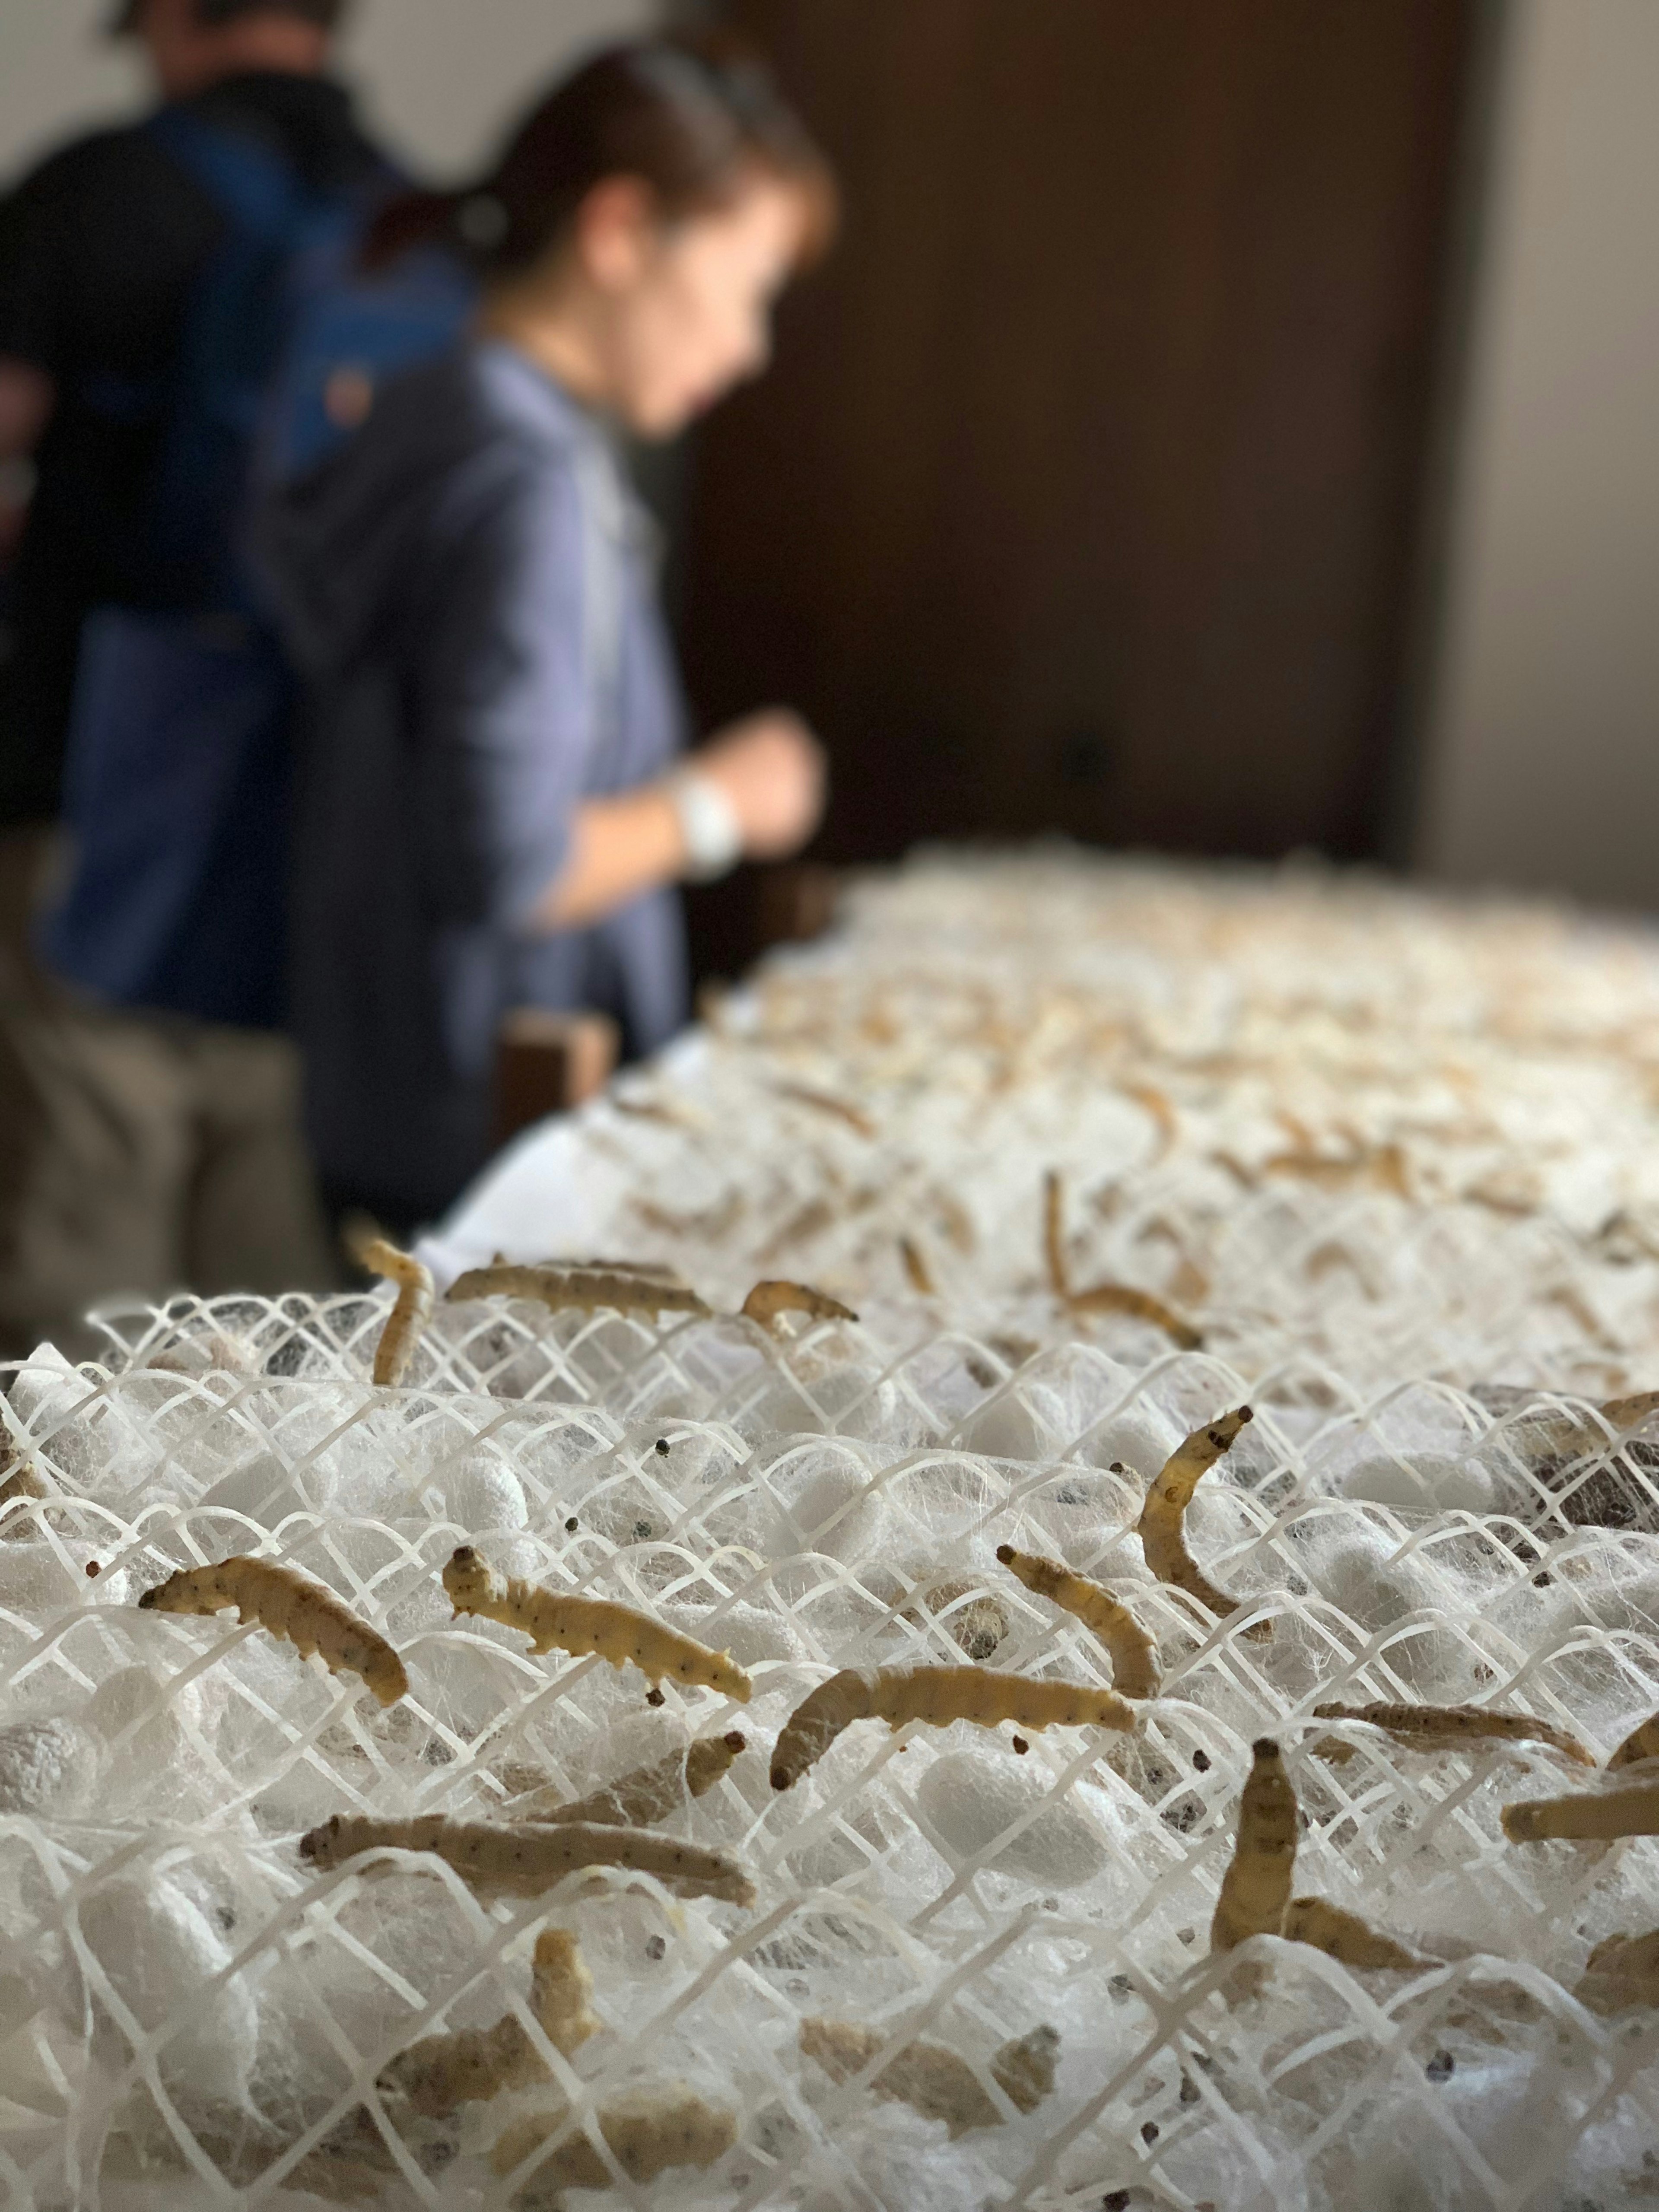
(1543, 762)
(441, 75)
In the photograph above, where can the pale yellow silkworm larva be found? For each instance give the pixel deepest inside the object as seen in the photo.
(650, 1794)
(1161, 1528)
(1134, 1654)
(1584, 1818)
(767, 1302)
(646, 2133)
(524, 1859)
(1256, 1890)
(937, 1695)
(1104, 1298)
(475, 2063)
(1449, 1727)
(1622, 1971)
(1346, 1937)
(580, 1624)
(287, 1605)
(917, 1272)
(931, 2079)
(561, 1290)
(1642, 1743)
(408, 1317)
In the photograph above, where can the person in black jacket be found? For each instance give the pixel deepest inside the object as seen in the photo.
(135, 1153)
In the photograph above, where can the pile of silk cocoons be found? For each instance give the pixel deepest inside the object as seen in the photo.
(1075, 1156)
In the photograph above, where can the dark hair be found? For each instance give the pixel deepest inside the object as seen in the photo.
(327, 14)
(692, 116)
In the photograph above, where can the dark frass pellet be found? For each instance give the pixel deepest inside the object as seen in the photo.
(1148, 2132)
(1021, 1746)
(656, 1946)
(662, 1447)
(1439, 2067)
(1201, 1761)
(1115, 2200)
(570, 1526)
(93, 1570)
(653, 1696)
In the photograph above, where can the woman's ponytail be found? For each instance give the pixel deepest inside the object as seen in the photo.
(693, 118)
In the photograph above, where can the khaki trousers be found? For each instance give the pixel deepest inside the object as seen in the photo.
(139, 1154)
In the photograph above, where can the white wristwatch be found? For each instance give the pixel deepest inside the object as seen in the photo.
(708, 823)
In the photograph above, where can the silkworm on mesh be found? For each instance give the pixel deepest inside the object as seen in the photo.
(932, 2079)
(1448, 1728)
(917, 1272)
(1139, 1305)
(407, 1321)
(581, 1625)
(1621, 1972)
(823, 1102)
(562, 1289)
(1132, 1652)
(646, 2133)
(524, 1859)
(1586, 1817)
(938, 1696)
(651, 1794)
(1642, 1743)
(1256, 1890)
(473, 2064)
(1054, 1240)
(769, 1301)
(1346, 1937)
(1104, 1298)
(287, 1605)
(1162, 1524)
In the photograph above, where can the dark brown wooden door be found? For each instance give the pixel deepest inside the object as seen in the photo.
(1081, 495)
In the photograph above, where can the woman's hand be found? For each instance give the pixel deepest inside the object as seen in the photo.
(770, 770)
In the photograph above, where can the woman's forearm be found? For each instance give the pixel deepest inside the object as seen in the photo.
(619, 848)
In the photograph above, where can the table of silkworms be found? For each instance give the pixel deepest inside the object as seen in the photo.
(1025, 1574)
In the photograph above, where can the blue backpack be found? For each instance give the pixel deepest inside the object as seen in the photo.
(178, 765)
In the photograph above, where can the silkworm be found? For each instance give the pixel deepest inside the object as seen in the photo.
(1139, 1305)
(475, 2063)
(524, 1859)
(1642, 1743)
(616, 1633)
(1584, 1818)
(937, 1695)
(1621, 1972)
(917, 1272)
(410, 1314)
(1133, 1654)
(650, 1794)
(1161, 1529)
(821, 1101)
(561, 1290)
(933, 2079)
(287, 1605)
(645, 2134)
(768, 1301)
(1103, 1297)
(1443, 1728)
(1256, 1890)
(1344, 1936)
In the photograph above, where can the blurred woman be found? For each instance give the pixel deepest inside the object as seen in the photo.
(495, 808)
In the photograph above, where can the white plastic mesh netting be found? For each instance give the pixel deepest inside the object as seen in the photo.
(1394, 1158)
